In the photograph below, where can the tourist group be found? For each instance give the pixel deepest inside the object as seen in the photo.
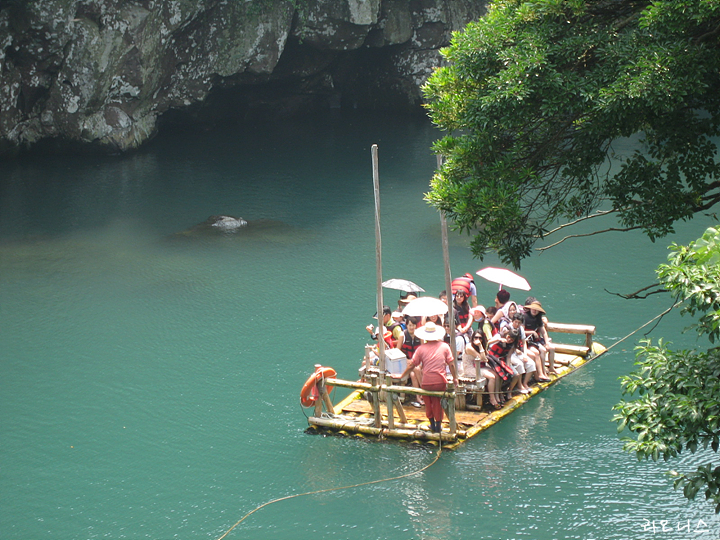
(507, 345)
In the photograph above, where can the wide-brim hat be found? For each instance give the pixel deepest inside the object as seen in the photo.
(430, 332)
(535, 305)
(407, 299)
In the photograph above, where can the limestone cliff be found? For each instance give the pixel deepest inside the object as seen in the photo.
(104, 72)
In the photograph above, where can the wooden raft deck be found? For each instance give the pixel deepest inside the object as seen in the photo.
(356, 416)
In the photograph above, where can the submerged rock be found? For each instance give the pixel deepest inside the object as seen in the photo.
(227, 223)
(239, 229)
(216, 225)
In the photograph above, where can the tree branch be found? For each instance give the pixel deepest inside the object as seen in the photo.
(708, 201)
(660, 318)
(596, 214)
(587, 234)
(637, 296)
(712, 34)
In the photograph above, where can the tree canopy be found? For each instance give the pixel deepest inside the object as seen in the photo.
(677, 393)
(535, 97)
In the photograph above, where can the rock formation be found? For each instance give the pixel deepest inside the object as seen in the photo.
(104, 72)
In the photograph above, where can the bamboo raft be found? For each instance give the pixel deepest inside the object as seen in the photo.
(364, 412)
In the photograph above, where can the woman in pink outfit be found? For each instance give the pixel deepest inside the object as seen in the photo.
(435, 357)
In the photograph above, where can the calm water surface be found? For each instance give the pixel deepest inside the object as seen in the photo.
(150, 380)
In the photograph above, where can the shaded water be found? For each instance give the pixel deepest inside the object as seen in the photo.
(150, 381)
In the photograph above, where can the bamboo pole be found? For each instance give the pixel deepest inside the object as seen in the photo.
(451, 310)
(448, 279)
(412, 433)
(324, 397)
(318, 403)
(376, 402)
(329, 407)
(419, 391)
(378, 259)
(367, 387)
(460, 401)
(389, 403)
(340, 383)
(400, 410)
(451, 411)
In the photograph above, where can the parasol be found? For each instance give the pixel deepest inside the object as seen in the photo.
(504, 277)
(402, 285)
(425, 306)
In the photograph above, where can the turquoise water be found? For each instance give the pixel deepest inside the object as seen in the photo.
(150, 380)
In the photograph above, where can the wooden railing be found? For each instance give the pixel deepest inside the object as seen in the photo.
(381, 388)
(579, 350)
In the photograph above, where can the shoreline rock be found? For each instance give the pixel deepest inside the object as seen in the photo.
(102, 74)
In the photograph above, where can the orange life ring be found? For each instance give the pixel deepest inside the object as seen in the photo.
(309, 394)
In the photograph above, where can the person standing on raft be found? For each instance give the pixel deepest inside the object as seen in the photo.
(436, 358)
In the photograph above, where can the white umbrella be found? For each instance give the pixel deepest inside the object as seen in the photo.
(504, 277)
(402, 285)
(425, 306)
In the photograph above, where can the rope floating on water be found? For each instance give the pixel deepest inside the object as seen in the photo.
(426, 467)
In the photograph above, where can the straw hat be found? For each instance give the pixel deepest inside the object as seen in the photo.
(407, 299)
(430, 332)
(535, 305)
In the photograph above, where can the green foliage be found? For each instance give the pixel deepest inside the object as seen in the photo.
(693, 275)
(534, 95)
(677, 393)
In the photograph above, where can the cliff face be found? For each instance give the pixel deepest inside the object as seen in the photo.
(103, 72)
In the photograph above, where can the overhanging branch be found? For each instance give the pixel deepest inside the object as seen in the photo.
(596, 214)
(611, 229)
(637, 295)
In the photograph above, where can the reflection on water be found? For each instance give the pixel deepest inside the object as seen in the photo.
(429, 512)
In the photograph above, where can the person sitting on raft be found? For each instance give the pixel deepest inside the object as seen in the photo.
(505, 314)
(534, 321)
(475, 365)
(500, 350)
(443, 296)
(501, 299)
(436, 319)
(462, 312)
(403, 301)
(435, 357)
(388, 324)
(466, 282)
(478, 315)
(460, 344)
(488, 326)
(399, 318)
(513, 314)
(408, 344)
(530, 357)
